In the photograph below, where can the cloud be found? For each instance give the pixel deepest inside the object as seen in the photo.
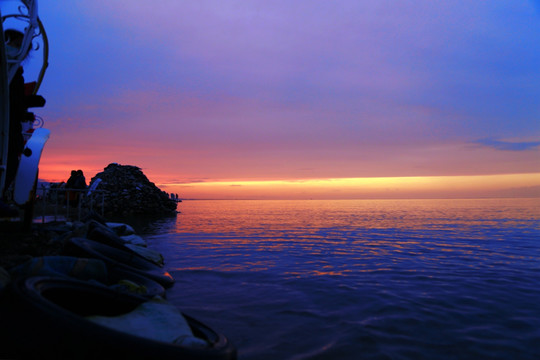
(172, 182)
(509, 145)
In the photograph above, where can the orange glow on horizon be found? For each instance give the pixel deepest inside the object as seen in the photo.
(512, 185)
(58, 168)
(467, 186)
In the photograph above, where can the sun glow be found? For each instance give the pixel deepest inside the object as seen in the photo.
(514, 185)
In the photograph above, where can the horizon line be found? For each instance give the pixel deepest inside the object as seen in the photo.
(374, 198)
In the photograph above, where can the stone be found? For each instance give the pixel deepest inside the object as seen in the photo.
(127, 191)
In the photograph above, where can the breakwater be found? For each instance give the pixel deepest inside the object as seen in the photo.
(100, 292)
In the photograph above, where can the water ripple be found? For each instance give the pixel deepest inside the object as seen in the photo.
(443, 279)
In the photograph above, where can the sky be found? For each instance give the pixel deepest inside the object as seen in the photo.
(297, 98)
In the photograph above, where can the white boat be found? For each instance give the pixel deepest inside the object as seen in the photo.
(20, 153)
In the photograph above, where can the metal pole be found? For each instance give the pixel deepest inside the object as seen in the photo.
(56, 203)
(67, 205)
(43, 204)
(91, 203)
(80, 197)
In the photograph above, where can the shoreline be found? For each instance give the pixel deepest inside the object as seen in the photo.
(96, 278)
(18, 244)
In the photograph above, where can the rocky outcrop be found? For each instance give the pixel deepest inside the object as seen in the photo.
(128, 191)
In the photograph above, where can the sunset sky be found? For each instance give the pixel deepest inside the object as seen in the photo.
(297, 98)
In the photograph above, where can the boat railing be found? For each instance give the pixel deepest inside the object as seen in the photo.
(65, 204)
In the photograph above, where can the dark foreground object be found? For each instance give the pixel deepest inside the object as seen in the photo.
(119, 258)
(43, 317)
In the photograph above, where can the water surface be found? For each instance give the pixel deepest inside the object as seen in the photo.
(355, 279)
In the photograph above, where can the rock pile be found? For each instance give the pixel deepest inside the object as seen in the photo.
(128, 191)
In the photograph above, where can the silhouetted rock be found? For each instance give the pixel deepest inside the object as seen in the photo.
(128, 191)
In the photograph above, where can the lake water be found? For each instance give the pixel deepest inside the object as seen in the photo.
(360, 279)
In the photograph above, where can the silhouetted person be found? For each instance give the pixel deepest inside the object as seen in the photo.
(80, 181)
(70, 186)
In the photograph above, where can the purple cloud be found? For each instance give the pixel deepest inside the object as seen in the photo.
(509, 145)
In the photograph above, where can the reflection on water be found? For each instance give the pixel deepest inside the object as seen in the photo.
(349, 236)
(410, 279)
(256, 216)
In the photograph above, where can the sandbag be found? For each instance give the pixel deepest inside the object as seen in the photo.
(149, 254)
(134, 240)
(155, 319)
(79, 268)
(120, 228)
